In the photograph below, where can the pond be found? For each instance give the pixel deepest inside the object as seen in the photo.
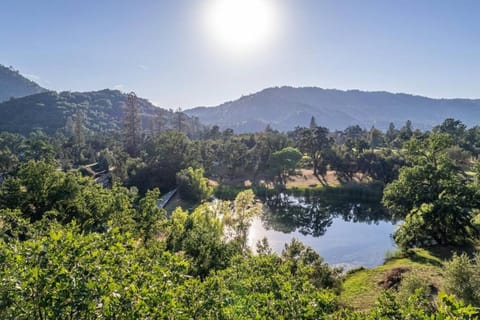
(346, 229)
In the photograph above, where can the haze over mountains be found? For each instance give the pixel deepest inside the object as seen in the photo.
(103, 111)
(28, 107)
(284, 108)
(14, 85)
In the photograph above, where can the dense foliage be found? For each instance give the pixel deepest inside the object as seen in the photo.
(192, 185)
(462, 275)
(59, 262)
(432, 194)
(74, 244)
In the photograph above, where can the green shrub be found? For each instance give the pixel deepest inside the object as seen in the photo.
(462, 278)
(227, 192)
(413, 285)
(390, 255)
(192, 185)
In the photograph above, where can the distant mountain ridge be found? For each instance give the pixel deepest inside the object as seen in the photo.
(284, 108)
(14, 85)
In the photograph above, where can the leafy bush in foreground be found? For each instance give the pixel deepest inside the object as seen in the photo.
(462, 278)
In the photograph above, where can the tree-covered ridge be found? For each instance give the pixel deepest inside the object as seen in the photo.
(284, 108)
(14, 85)
(103, 111)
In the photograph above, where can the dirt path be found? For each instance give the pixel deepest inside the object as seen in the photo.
(307, 179)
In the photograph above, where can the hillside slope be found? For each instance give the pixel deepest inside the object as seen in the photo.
(14, 85)
(286, 107)
(103, 111)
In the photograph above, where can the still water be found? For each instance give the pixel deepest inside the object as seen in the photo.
(344, 229)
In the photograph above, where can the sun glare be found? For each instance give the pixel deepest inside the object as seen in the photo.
(241, 26)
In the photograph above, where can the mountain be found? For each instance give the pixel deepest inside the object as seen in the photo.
(14, 85)
(284, 108)
(103, 111)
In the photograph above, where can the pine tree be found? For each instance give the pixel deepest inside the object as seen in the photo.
(160, 122)
(79, 128)
(313, 123)
(131, 125)
(391, 133)
(180, 120)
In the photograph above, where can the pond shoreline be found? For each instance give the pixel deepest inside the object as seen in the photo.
(371, 190)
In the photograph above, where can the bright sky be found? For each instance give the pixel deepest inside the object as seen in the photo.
(185, 53)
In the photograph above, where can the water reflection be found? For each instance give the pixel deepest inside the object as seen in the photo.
(343, 227)
(314, 214)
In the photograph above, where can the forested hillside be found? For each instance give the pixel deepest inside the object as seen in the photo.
(102, 111)
(14, 85)
(284, 108)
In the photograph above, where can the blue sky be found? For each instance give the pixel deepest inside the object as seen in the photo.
(158, 49)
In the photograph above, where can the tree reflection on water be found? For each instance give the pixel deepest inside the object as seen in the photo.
(313, 214)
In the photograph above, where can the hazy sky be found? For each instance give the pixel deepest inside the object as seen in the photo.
(162, 50)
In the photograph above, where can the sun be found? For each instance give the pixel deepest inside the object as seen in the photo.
(241, 26)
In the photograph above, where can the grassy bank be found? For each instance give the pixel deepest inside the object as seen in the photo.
(362, 287)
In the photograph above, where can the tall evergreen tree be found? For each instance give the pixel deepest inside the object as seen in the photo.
(180, 120)
(132, 125)
(313, 123)
(160, 123)
(79, 128)
(391, 133)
